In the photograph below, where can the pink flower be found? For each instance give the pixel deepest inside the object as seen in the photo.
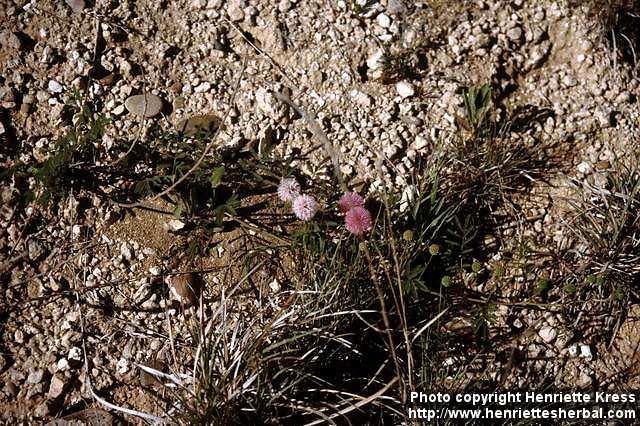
(358, 220)
(350, 200)
(305, 207)
(288, 189)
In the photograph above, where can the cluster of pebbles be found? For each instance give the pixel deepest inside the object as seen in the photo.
(167, 63)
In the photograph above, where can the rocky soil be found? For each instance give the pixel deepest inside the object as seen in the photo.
(95, 283)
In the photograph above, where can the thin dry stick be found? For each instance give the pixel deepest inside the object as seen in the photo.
(359, 404)
(261, 52)
(319, 134)
(427, 325)
(172, 341)
(206, 149)
(401, 308)
(311, 121)
(399, 303)
(385, 319)
(141, 124)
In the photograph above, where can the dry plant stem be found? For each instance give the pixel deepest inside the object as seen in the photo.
(399, 304)
(427, 325)
(206, 149)
(317, 131)
(141, 124)
(260, 51)
(201, 337)
(252, 227)
(310, 120)
(171, 340)
(96, 61)
(385, 319)
(354, 396)
(361, 403)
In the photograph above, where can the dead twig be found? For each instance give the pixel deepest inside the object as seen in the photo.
(207, 148)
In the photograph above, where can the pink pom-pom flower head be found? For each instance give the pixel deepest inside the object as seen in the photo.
(305, 207)
(350, 200)
(358, 220)
(288, 189)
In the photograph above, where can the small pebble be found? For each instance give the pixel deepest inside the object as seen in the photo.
(404, 89)
(185, 288)
(585, 352)
(54, 86)
(137, 106)
(383, 20)
(56, 387)
(75, 354)
(75, 5)
(548, 334)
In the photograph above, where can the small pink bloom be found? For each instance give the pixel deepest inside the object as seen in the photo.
(288, 189)
(350, 200)
(305, 207)
(358, 220)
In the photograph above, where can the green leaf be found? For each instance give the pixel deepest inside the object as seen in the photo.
(177, 211)
(216, 176)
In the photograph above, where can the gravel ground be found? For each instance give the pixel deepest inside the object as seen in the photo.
(329, 58)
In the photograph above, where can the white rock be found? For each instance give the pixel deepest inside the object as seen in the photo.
(75, 231)
(202, 87)
(375, 61)
(274, 285)
(75, 353)
(584, 380)
(119, 110)
(35, 377)
(175, 225)
(41, 410)
(56, 387)
(407, 198)
(267, 103)
(548, 334)
(405, 89)
(125, 251)
(54, 86)
(18, 337)
(154, 270)
(514, 34)
(122, 366)
(623, 97)
(585, 352)
(584, 168)
(573, 350)
(235, 11)
(395, 7)
(420, 143)
(62, 364)
(383, 20)
(569, 80)
(360, 98)
(317, 98)
(76, 5)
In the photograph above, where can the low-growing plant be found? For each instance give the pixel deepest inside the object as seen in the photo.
(606, 227)
(619, 20)
(71, 163)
